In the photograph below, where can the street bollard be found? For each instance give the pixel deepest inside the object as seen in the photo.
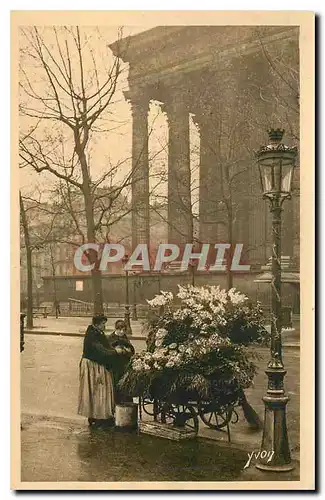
(22, 326)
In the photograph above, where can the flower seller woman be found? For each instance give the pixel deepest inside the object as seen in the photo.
(96, 390)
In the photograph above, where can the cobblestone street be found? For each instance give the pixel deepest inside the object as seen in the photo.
(49, 389)
(54, 451)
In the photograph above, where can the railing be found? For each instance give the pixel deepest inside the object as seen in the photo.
(286, 316)
(117, 311)
(40, 311)
(86, 309)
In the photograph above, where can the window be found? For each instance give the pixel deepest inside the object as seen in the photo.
(79, 286)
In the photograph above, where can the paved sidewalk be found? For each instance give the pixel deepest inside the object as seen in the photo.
(55, 450)
(49, 387)
(77, 326)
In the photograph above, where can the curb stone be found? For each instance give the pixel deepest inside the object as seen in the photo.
(69, 334)
(134, 337)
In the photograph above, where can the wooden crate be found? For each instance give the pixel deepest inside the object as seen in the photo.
(167, 431)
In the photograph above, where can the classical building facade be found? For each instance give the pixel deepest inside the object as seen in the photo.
(233, 81)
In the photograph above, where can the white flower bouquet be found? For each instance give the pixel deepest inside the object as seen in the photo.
(198, 350)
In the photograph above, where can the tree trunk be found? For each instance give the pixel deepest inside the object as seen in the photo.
(55, 296)
(29, 319)
(96, 275)
(230, 251)
(229, 272)
(29, 264)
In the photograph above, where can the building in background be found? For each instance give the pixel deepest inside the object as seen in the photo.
(234, 83)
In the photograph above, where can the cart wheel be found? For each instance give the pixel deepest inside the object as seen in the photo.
(215, 419)
(148, 406)
(180, 416)
(192, 421)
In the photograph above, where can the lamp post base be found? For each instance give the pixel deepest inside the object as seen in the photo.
(275, 468)
(275, 451)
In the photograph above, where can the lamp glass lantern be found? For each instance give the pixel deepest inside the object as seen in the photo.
(276, 162)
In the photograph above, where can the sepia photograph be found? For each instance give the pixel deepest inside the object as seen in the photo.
(162, 205)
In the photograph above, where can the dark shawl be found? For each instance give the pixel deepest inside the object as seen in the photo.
(97, 348)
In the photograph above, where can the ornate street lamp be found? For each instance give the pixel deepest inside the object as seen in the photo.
(127, 304)
(276, 163)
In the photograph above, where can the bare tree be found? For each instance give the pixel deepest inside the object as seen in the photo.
(36, 235)
(281, 93)
(66, 110)
(69, 110)
(28, 246)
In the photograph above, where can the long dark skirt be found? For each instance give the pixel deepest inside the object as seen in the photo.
(96, 391)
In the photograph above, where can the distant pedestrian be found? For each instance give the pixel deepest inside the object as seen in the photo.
(57, 309)
(96, 391)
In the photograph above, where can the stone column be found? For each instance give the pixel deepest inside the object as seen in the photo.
(140, 168)
(211, 211)
(180, 222)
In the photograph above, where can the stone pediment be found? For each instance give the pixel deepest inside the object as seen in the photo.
(166, 50)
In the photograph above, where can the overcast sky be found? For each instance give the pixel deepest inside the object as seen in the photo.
(107, 148)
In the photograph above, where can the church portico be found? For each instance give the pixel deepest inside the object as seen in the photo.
(207, 72)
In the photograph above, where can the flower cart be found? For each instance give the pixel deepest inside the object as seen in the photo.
(191, 397)
(197, 363)
(188, 413)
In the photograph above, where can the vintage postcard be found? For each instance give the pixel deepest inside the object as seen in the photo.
(162, 236)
